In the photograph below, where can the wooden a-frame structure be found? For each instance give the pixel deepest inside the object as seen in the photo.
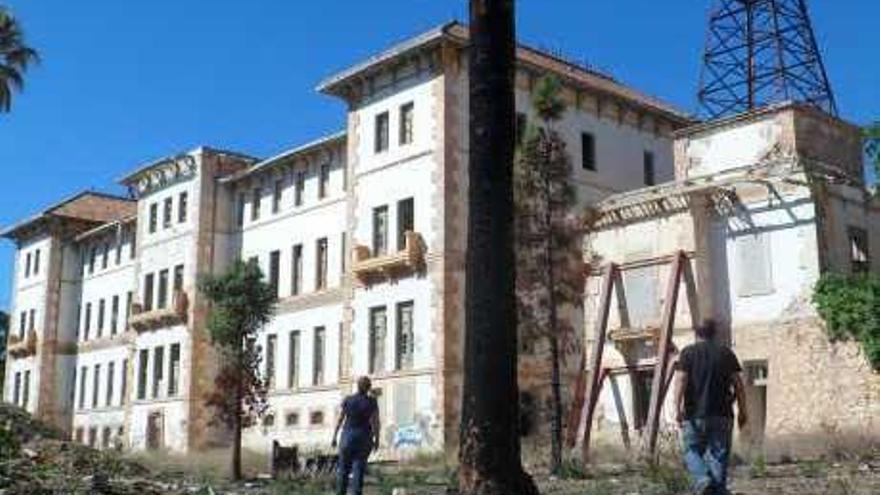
(592, 373)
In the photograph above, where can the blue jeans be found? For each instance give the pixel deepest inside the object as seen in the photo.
(707, 452)
(354, 449)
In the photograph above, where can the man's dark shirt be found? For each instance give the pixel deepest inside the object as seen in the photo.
(359, 410)
(710, 369)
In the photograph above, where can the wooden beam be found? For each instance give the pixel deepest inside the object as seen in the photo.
(658, 384)
(595, 375)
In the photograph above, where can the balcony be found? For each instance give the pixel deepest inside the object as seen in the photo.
(174, 314)
(368, 268)
(18, 347)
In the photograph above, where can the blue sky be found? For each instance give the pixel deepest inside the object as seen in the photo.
(123, 82)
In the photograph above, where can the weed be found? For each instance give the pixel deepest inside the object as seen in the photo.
(758, 468)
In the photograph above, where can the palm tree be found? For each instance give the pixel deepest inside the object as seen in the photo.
(15, 57)
(489, 452)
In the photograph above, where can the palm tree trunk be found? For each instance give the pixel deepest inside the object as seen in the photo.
(489, 452)
(556, 395)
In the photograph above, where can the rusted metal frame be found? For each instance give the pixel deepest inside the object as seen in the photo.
(595, 376)
(650, 261)
(663, 354)
(576, 415)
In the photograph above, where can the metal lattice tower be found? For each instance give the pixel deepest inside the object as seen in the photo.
(760, 52)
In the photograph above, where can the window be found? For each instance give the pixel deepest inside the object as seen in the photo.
(405, 338)
(316, 418)
(588, 151)
(27, 265)
(79, 309)
(26, 389)
(271, 341)
(22, 324)
(132, 246)
(83, 373)
(296, 270)
(78, 435)
(521, 122)
(36, 262)
(148, 291)
(276, 195)
(648, 166)
(321, 264)
(143, 362)
(93, 255)
(158, 369)
(343, 252)
(154, 217)
(93, 436)
(123, 379)
(641, 285)
(167, 207)
(292, 419)
(858, 248)
(380, 230)
(239, 210)
(255, 203)
(108, 399)
(105, 437)
(274, 271)
(178, 278)
(381, 137)
(32, 318)
(96, 385)
(406, 123)
(129, 299)
(16, 388)
(405, 220)
(318, 357)
(269, 420)
(754, 273)
(293, 361)
(162, 302)
(299, 189)
(114, 315)
(88, 321)
(101, 307)
(118, 251)
(173, 370)
(323, 180)
(378, 321)
(182, 206)
(105, 256)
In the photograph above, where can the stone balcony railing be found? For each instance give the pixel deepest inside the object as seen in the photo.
(367, 267)
(19, 347)
(174, 314)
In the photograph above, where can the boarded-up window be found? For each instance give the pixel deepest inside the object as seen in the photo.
(405, 338)
(754, 275)
(642, 298)
(404, 403)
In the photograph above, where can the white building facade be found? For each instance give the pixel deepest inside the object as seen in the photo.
(362, 234)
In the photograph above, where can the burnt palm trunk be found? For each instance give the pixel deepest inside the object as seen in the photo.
(237, 425)
(489, 448)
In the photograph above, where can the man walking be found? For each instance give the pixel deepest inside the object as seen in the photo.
(360, 436)
(707, 380)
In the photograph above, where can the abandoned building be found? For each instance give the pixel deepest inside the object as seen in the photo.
(361, 232)
(362, 235)
(762, 204)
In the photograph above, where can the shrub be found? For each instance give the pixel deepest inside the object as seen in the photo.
(850, 307)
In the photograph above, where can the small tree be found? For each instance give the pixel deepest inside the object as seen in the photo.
(548, 235)
(241, 304)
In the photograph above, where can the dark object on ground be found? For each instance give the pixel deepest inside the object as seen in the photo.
(285, 460)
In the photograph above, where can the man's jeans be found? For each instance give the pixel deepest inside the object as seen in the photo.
(707, 451)
(354, 449)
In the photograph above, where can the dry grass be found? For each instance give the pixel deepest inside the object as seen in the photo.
(209, 466)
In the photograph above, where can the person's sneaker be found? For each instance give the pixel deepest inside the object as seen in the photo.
(703, 487)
